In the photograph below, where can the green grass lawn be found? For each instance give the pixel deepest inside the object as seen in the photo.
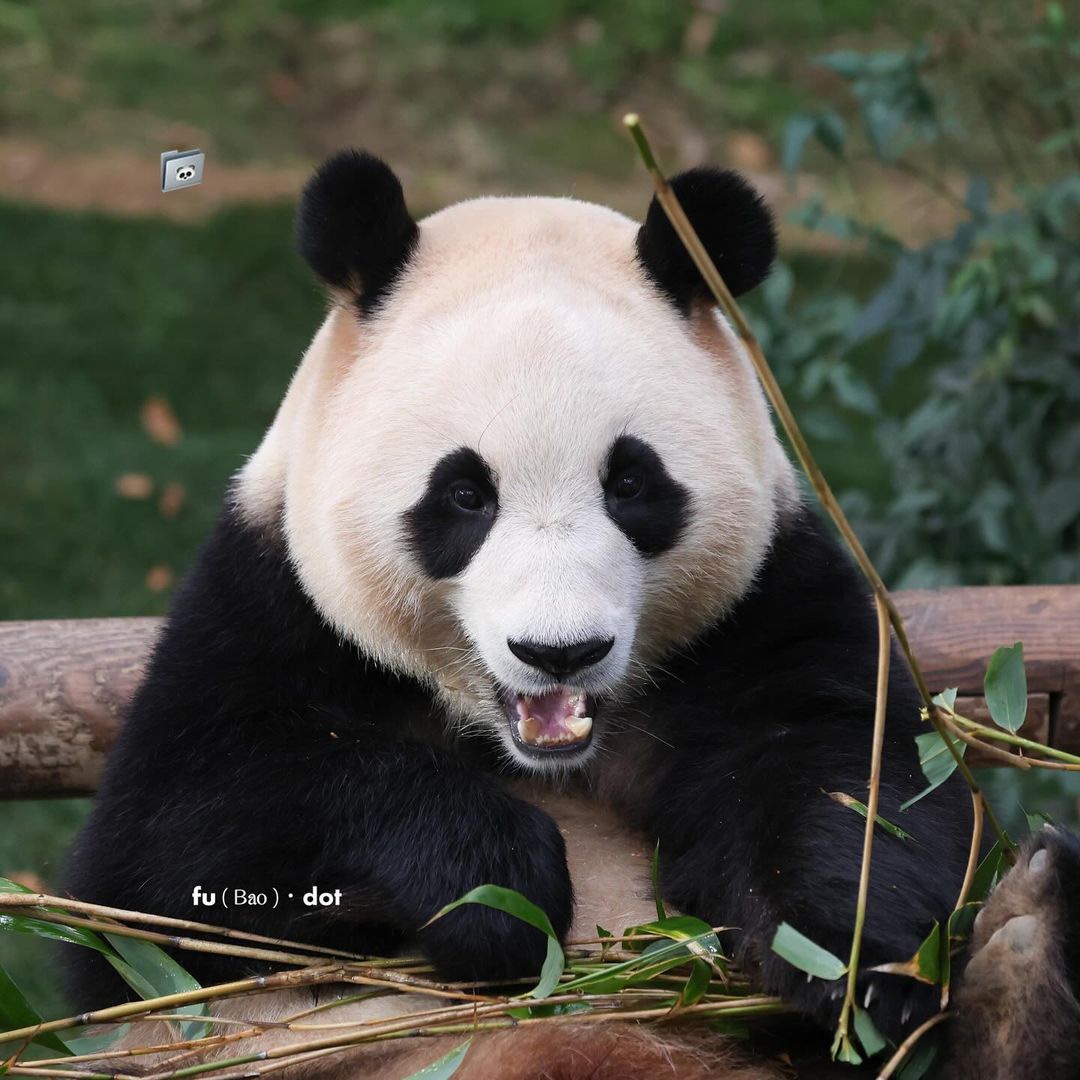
(96, 315)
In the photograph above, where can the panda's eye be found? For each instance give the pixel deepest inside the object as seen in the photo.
(466, 496)
(628, 486)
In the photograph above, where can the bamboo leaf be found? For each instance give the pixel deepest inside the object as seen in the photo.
(697, 985)
(152, 972)
(1005, 687)
(445, 1067)
(16, 1012)
(862, 810)
(513, 903)
(946, 699)
(799, 951)
(936, 761)
(873, 1042)
(925, 965)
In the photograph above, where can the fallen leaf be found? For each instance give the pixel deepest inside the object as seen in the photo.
(159, 421)
(173, 497)
(134, 485)
(159, 578)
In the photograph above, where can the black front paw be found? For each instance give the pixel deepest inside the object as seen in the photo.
(524, 851)
(896, 1003)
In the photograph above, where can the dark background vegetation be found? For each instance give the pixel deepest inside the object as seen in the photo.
(923, 159)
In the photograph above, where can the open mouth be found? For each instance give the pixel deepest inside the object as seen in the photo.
(557, 722)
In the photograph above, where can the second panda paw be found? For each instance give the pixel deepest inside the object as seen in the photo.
(1017, 1008)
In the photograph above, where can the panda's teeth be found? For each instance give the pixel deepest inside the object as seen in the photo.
(531, 729)
(578, 726)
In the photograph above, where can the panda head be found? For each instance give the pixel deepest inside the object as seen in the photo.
(524, 458)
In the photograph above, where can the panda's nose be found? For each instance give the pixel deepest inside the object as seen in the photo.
(561, 661)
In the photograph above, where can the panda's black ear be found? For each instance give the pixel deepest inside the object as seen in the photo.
(352, 225)
(734, 224)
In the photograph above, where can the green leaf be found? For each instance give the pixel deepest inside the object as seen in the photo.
(925, 965)
(445, 1067)
(697, 985)
(988, 872)
(936, 761)
(657, 958)
(918, 1062)
(873, 1042)
(698, 935)
(27, 924)
(513, 903)
(16, 1012)
(862, 810)
(799, 951)
(1005, 687)
(844, 1050)
(151, 972)
(946, 699)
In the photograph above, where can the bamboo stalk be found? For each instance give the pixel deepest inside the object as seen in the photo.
(843, 1039)
(983, 731)
(717, 286)
(21, 899)
(908, 1044)
(973, 853)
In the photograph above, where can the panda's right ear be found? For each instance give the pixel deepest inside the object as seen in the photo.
(352, 226)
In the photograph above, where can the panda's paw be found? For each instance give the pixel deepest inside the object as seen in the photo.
(1017, 1007)
(896, 1003)
(476, 943)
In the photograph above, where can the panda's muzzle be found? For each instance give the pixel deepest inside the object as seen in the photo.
(559, 721)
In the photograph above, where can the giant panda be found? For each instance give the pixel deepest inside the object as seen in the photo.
(519, 583)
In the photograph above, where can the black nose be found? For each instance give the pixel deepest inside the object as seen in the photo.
(560, 661)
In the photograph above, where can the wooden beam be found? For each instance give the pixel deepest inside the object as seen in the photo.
(63, 687)
(64, 683)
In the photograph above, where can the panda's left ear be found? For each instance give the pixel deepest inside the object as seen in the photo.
(352, 226)
(733, 223)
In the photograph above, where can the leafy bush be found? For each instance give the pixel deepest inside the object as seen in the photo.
(984, 467)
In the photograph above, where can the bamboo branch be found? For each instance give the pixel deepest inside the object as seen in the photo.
(973, 853)
(908, 1044)
(717, 286)
(842, 1040)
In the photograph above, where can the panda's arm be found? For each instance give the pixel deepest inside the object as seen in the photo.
(772, 847)
(262, 752)
(768, 714)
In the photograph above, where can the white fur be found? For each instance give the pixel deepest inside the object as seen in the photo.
(524, 329)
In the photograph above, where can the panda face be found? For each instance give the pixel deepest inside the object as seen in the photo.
(527, 476)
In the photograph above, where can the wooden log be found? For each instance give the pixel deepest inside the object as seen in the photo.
(64, 683)
(954, 632)
(63, 686)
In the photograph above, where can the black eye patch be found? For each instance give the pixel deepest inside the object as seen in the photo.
(448, 525)
(641, 497)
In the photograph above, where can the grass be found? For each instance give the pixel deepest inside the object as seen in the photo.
(97, 314)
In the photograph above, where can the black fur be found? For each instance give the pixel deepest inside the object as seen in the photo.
(655, 517)
(353, 228)
(262, 751)
(734, 225)
(442, 535)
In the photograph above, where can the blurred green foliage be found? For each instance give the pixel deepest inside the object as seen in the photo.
(984, 465)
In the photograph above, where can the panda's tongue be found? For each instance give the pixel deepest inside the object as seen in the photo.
(558, 718)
